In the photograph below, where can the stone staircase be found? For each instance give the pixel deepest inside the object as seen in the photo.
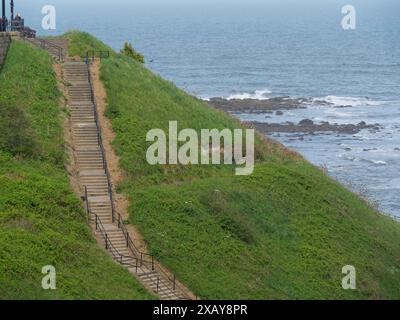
(94, 179)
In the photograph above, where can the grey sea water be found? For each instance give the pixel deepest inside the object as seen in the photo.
(269, 49)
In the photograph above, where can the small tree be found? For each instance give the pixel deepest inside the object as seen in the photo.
(129, 51)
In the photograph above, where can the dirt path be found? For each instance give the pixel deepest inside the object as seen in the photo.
(108, 135)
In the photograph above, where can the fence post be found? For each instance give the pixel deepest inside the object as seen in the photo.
(87, 202)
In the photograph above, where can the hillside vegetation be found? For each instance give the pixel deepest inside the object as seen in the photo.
(42, 221)
(284, 232)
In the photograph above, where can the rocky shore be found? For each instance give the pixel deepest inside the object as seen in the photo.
(309, 127)
(278, 105)
(259, 106)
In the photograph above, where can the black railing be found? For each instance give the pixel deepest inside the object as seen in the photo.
(146, 261)
(128, 261)
(100, 143)
(58, 52)
(91, 55)
(138, 261)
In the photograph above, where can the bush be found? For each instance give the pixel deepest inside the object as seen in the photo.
(229, 219)
(129, 51)
(16, 134)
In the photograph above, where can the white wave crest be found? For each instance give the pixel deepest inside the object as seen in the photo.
(258, 94)
(379, 162)
(348, 101)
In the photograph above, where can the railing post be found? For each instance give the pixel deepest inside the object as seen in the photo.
(127, 240)
(174, 282)
(152, 262)
(106, 241)
(87, 202)
(136, 264)
(158, 283)
(141, 258)
(96, 223)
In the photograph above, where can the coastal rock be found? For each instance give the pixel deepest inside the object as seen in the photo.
(307, 126)
(306, 122)
(259, 106)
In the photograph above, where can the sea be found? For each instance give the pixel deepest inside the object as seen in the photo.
(264, 49)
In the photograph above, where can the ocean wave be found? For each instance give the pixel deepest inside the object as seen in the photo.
(379, 162)
(357, 159)
(340, 101)
(257, 94)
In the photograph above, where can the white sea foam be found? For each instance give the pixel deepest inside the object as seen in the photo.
(357, 159)
(379, 162)
(258, 94)
(348, 101)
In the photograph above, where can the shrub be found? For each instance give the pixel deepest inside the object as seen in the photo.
(129, 51)
(16, 134)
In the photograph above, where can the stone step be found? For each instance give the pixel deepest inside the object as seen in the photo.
(90, 155)
(96, 160)
(95, 183)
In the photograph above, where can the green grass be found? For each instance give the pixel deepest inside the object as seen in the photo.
(42, 221)
(81, 42)
(284, 232)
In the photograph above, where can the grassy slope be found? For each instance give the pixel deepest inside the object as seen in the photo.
(41, 220)
(284, 232)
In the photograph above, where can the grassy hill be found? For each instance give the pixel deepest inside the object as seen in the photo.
(285, 232)
(42, 221)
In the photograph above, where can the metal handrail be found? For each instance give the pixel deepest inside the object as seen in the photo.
(130, 244)
(121, 258)
(44, 43)
(90, 55)
(100, 143)
(60, 50)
